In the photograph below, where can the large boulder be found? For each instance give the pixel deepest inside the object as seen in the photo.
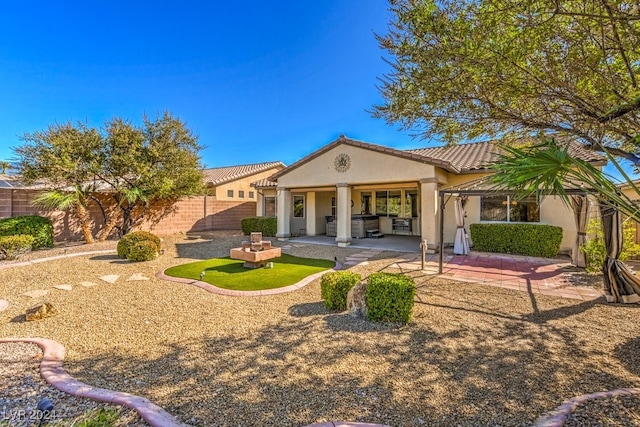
(356, 301)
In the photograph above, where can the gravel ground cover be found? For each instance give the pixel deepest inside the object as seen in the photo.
(22, 389)
(473, 355)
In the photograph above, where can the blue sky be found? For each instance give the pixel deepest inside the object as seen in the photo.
(255, 80)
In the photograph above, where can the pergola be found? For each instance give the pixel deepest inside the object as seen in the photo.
(484, 186)
(620, 283)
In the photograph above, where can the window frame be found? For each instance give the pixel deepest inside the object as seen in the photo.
(230, 193)
(304, 206)
(507, 202)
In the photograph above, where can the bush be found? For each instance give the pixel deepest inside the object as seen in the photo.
(267, 225)
(13, 246)
(145, 250)
(129, 240)
(525, 239)
(595, 250)
(390, 297)
(41, 228)
(335, 286)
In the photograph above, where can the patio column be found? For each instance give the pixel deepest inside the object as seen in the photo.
(311, 213)
(283, 209)
(429, 212)
(343, 214)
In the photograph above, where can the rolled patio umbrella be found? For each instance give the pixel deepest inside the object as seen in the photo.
(461, 243)
(620, 284)
(580, 205)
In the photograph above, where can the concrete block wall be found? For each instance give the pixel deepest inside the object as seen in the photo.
(193, 214)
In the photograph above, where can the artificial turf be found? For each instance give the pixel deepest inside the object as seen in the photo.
(229, 273)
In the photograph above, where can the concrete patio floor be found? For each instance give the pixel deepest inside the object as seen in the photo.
(527, 274)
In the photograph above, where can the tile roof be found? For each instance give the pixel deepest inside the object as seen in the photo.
(217, 176)
(470, 157)
(264, 183)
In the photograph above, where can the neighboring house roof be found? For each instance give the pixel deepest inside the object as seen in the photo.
(343, 140)
(264, 183)
(222, 175)
(13, 182)
(470, 157)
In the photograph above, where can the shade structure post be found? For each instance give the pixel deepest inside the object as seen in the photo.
(441, 251)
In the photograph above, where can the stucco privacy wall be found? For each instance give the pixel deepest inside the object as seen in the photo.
(191, 214)
(367, 167)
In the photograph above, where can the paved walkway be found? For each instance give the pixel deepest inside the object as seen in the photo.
(527, 274)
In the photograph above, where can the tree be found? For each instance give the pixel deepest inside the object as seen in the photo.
(5, 166)
(148, 166)
(63, 156)
(512, 68)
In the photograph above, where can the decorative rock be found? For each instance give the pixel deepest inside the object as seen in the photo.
(136, 277)
(41, 311)
(110, 278)
(64, 287)
(36, 293)
(356, 301)
(88, 284)
(4, 304)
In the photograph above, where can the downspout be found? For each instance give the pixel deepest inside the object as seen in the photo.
(440, 255)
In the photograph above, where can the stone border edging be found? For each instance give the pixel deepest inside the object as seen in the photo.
(52, 258)
(53, 373)
(229, 292)
(558, 417)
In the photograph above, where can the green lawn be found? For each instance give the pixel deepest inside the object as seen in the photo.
(230, 274)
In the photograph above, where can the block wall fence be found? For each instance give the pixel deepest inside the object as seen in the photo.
(195, 214)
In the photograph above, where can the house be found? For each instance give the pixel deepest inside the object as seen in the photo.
(349, 187)
(234, 182)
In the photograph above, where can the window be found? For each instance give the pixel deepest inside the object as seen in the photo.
(333, 206)
(241, 194)
(298, 206)
(251, 195)
(506, 208)
(229, 193)
(388, 203)
(411, 203)
(365, 203)
(269, 206)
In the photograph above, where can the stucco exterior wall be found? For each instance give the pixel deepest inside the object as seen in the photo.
(367, 167)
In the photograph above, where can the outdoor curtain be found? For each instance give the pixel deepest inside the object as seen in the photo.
(580, 206)
(461, 244)
(620, 284)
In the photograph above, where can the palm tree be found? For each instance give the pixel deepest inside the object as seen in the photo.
(76, 201)
(550, 169)
(5, 166)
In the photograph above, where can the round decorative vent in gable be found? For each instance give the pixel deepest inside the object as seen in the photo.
(342, 162)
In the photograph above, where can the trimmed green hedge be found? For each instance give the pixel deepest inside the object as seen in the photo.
(145, 250)
(334, 288)
(13, 246)
(525, 239)
(267, 225)
(128, 241)
(41, 228)
(390, 297)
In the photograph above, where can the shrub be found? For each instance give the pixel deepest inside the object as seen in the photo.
(390, 297)
(525, 239)
(144, 250)
(129, 240)
(595, 250)
(41, 228)
(335, 286)
(13, 246)
(267, 225)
